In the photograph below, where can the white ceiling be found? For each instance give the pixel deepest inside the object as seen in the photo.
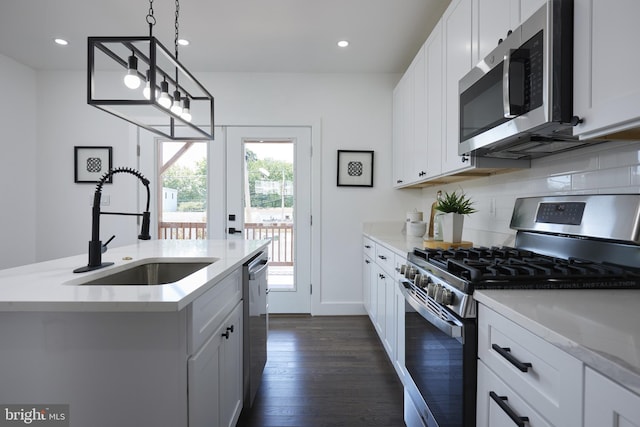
(229, 35)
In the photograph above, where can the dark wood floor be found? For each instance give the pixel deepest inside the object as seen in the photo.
(326, 371)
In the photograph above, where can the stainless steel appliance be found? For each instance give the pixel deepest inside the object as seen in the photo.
(255, 324)
(518, 101)
(562, 242)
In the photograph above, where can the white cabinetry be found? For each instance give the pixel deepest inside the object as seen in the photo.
(401, 113)
(409, 124)
(380, 277)
(494, 19)
(215, 367)
(607, 404)
(458, 59)
(368, 293)
(215, 376)
(539, 380)
(434, 115)
(399, 310)
(426, 100)
(606, 94)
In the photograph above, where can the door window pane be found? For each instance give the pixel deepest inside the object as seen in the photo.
(182, 201)
(269, 205)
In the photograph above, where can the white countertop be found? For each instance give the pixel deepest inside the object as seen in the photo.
(599, 327)
(52, 285)
(391, 235)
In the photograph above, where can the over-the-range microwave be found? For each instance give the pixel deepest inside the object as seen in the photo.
(518, 101)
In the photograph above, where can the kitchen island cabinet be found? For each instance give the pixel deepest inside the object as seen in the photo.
(128, 355)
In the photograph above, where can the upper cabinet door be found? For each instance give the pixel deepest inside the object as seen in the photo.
(495, 19)
(399, 145)
(433, 76)
(606, 93)
(458, 59)
(528, 8)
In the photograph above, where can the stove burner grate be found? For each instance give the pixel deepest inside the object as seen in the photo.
(507, 267)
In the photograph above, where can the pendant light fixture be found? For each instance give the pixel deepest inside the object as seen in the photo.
(144, 61)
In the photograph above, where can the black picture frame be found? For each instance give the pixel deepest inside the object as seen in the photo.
(355, 168)
(90, 163)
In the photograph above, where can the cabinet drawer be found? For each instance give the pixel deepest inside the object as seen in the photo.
(369, 247)
(210, 309)
(385, 258)
(399, 262)
(550, 381)
(491, 414)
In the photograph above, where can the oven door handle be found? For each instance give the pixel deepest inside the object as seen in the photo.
(451, 328)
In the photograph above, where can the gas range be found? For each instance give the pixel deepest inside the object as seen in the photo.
(562, 242)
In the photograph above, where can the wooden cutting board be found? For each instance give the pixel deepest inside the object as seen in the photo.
(439, 244)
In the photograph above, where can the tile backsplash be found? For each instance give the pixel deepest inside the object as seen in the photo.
(612, 167)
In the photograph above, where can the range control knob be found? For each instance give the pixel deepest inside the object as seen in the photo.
(431, 289)
(438, 296)
(447, 297)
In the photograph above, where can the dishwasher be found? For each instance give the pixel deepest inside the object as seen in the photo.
(255, 323)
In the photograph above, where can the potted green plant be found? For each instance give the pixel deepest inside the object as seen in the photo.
(454, 206)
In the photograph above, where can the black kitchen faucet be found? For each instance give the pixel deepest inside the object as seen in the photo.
(96, 248)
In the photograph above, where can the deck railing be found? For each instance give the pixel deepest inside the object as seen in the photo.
(281, 235)
(182, 230)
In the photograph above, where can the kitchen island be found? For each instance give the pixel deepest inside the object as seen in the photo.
(128, 355)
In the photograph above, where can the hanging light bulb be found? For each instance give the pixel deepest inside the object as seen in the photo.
(146, 92)
(132, 80)
(176, 108)
(164, 99)
(186, 111)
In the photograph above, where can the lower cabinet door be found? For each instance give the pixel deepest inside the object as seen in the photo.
(498, 404)
(215, 376)
(607, 404)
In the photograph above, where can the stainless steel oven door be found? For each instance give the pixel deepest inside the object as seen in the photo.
(440, 358)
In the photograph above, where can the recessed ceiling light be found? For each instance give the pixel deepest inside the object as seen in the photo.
(61, 42)
(343, 43)
(183, 42)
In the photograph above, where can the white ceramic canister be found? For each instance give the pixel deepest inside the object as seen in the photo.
(414, 216)
(416, 228)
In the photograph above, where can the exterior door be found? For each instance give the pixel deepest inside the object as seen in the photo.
(268, 196)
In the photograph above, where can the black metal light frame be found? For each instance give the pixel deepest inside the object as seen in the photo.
(176, 128)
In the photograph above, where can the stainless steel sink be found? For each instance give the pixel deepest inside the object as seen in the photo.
(150, 273)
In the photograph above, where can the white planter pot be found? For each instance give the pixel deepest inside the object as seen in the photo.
(452, 227)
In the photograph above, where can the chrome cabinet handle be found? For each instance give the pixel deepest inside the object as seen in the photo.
(502, 403)
(506, 353)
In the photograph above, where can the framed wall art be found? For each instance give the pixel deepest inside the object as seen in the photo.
(355, 168)
(90, 163)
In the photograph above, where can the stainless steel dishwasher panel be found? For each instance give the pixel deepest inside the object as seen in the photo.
(256, 324)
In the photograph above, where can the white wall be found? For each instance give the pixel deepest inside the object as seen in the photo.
(612, 167)
(18, 164)
(64, 207)
(353, 112)
(346, 111)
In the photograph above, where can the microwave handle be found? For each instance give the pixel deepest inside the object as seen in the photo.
(512, 71)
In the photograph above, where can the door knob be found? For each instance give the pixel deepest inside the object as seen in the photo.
(232, 230)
